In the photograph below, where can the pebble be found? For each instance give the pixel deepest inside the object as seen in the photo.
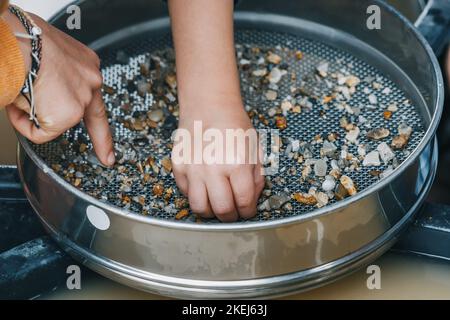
(322, 69)
(171, 80)
(277, 201)
(322, 199)
(272, 112)
(328, 184)
(348, 184)
(182, 214)
(271, 95)
(378, 133)
(399, 142)
(352, 81)
(93, 160)
(352, 135)
(392, 107)
(273, 58)
(295, 145)
(404, 129)
(372, 99)
(372, 159)
(286, 106)
(156, 115)
(362, 150)
(260, 72)
(143, 87)
(341, 192)
(320, 168)
(385, 152)
(305, 198)
(328, 149)
(275, 75)
(264, 205)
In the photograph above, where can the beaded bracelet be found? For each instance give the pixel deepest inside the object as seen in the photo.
(34, 34)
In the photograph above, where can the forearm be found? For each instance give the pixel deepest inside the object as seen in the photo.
(205, 54)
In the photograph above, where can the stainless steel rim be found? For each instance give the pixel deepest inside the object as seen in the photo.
(256, 288)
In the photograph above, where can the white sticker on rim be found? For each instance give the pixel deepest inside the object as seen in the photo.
(98, 218)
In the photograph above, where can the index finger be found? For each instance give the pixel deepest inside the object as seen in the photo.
(97, 126)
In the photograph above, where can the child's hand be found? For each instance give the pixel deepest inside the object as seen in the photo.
(209, 91)
(67, 90)
(229, 190)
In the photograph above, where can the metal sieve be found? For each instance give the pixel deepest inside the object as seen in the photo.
(302, 126)
(269, 256)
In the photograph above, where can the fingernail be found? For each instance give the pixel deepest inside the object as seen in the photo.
(111, 159)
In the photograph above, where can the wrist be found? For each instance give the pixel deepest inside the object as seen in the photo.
(24, 44)
(207, 96)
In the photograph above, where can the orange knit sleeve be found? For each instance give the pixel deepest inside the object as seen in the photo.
(12, 66)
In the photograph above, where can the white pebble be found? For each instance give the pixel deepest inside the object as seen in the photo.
(372, 159)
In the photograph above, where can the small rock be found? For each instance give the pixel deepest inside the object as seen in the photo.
(352, 81)
(273, 58)
(320, 168)
(305, 198)
(260, 72)
(281, 122)
(352, 135)
(372, 99)
(378, 133)
(272, 112)
(286, 106)
(166, 164)
(277, 201)
(271, 95)
(143, 87)
(340, 193)
(386, 152)
(322, 199)
(93, 160)
(295, 145)
(182, 214)
(171, 80)
(156, 115)
(348, 184)
(404, 129)
(328, 184)
(362, 150)
(264, 206)
(399, 142)
(372, 159)
(392, 107)
(275, 75)
(158, 190)
(335, 173)
(328, 149)
(386, 90)
(322, 69)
